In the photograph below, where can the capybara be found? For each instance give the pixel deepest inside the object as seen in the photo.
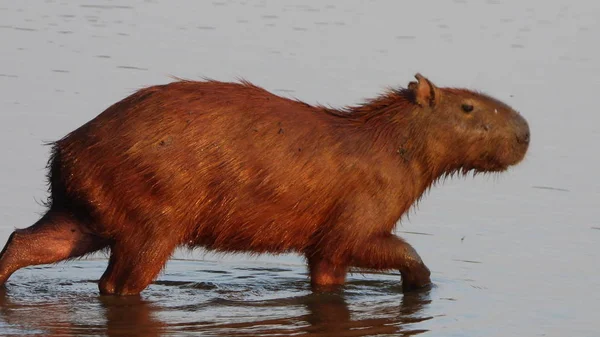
(233, 168)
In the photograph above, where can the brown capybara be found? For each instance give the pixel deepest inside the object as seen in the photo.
(234, 168)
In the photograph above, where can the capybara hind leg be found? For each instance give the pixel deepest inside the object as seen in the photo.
(55, 237)
(133, 266)
(391, 252)
(325, 274)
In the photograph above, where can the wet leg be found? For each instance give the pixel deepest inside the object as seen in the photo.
(391, 252)
(325, 274)
(55, 237)
(134, 264)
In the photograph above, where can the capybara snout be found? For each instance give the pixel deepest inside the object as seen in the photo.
(522, 131)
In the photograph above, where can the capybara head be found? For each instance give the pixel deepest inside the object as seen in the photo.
(476, 131)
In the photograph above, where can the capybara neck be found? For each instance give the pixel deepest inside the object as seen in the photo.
(389, 128)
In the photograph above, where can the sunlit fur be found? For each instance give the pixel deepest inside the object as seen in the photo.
(234, 168)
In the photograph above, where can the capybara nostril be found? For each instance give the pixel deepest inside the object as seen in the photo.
(521, 129)
(523, 133)
(523, 137)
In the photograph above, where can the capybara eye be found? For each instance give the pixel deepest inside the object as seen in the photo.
(467, 108)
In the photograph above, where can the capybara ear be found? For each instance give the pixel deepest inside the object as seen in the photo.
(425, 93)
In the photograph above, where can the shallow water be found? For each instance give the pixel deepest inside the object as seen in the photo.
(511, 255)
(213, 298)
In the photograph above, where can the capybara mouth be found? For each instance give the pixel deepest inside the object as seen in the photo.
(499, 161)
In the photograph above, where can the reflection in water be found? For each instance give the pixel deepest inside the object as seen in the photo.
(130, 316)
(229, 307)
(119, 316)
(329, 315)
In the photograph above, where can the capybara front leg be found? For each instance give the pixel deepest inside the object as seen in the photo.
(325, 274)
(133, 265)
(55, 237)
(391, 252)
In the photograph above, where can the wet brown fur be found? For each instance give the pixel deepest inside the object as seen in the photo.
(234, 168)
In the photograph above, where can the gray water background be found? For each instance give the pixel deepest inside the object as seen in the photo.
(515, 254)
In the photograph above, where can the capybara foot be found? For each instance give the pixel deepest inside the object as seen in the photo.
(416, 278)
(106, 287)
